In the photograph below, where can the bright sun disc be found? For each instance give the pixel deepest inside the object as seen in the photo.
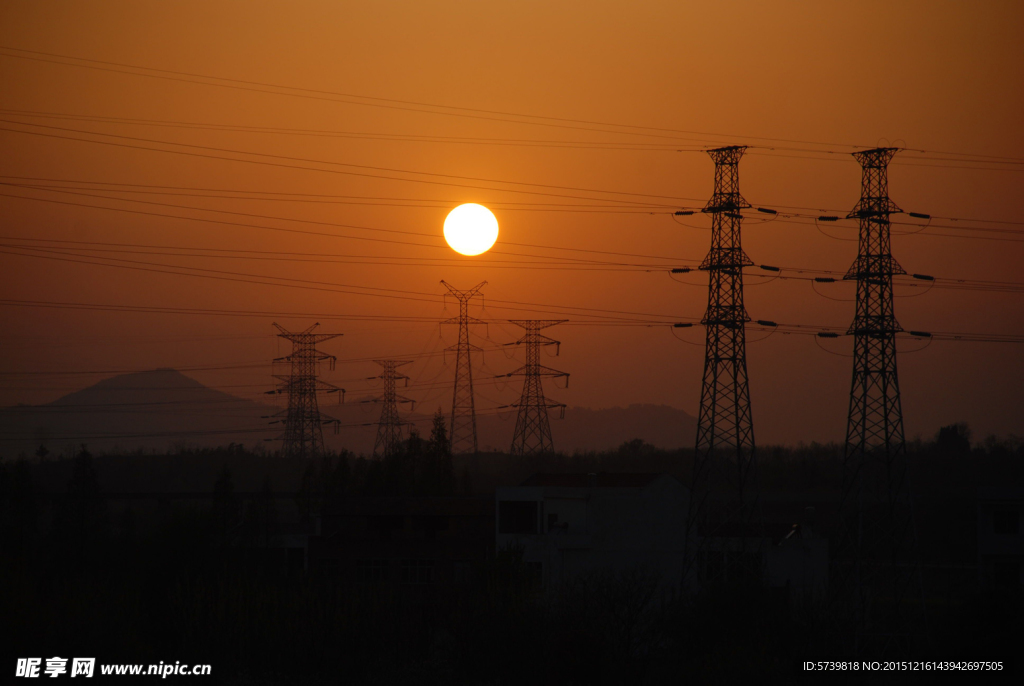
(470, 229)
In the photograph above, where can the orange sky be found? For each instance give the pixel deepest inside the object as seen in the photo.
(932, 76)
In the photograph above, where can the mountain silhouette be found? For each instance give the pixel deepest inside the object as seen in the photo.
(151, 410)
(585, 429)
(164, 409)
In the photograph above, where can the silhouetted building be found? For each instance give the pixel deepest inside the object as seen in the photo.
(404, 542)
(571, 524)
(780, 553)
(1000, 537)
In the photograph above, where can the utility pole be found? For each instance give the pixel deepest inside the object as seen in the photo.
(724, 487)
(303, 435)
(463, 428)
(875, 557)
(389, 429)
(533, 430)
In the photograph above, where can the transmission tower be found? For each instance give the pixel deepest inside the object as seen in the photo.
(303, 435)
(389, 429)
(724, 490)
(876, 538)
(463, 429)
(533, 430)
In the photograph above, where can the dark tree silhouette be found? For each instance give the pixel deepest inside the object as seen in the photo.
(438, 477)
(80, 523)
(954, 439)
(225, 508)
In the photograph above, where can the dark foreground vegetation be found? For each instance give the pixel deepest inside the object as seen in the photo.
(92, 566)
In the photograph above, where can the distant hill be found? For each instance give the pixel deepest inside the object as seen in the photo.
(149, 410)
(585, 429)
(163, 408)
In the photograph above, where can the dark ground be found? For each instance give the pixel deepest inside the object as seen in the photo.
(87, 570)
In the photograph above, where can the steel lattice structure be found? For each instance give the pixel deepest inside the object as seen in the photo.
(463, 422)
(389, 429)
(303, 434)
(533, 428)
(724, 490)
(875, 557)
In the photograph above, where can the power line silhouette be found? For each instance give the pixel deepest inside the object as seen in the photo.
(303, 433)
(389, 429)
(463, 422)
(724, 491)
(533, 428)
(875, 556)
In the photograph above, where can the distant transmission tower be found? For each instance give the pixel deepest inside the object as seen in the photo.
(303, 436)
(724, 489)
(533, 430)
(389, 430)
(875, 555)
(463, 428)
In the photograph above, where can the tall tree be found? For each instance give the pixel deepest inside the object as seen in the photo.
(438, 472)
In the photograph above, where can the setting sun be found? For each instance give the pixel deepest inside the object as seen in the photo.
(470, 229)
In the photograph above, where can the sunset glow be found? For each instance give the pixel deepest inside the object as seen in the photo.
(471, 229)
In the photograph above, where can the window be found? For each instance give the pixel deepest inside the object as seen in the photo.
(417, 571)
(552, 520)
(517, 517)
(1006, 522)
(371, 571)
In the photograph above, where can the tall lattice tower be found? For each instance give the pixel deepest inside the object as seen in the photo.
(533, 430)
(875, 557)
(463, 428)
(724, 490)
(389, 429)
(303, 435)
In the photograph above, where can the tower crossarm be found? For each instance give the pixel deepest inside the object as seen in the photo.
(537, 370)
(457, 320)
(726, 197)
(537, 324)
(466, 294)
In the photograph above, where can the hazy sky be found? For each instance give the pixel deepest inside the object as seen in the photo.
(395, 112)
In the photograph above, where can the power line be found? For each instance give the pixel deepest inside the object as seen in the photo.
(321, 199)
(256, 86)
(423, 107)
(314, 284)
(436, 245)
(570, 264)
(52, 184)
(830, 155)
(357, 135)
(288, 159)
